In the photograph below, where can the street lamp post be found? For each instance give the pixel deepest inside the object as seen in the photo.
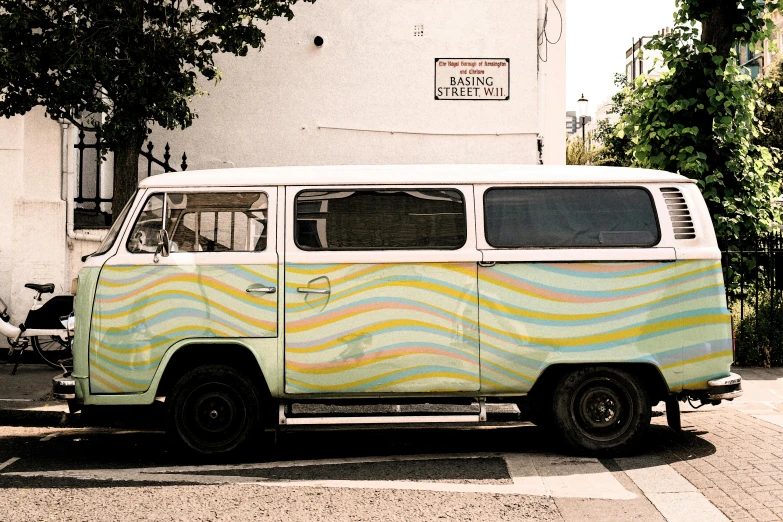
(582, 102)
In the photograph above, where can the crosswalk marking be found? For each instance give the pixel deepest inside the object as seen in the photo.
(8, 462)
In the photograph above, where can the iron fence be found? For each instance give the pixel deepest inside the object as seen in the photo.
(94, 196)
(93, 205)
(166, 157)
(753, 272)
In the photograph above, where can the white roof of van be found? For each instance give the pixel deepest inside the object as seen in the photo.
(410, 175)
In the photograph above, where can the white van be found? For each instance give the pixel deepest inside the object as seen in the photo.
(585, 294)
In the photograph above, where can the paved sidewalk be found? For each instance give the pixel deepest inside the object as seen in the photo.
(31, 386)
(733, 453)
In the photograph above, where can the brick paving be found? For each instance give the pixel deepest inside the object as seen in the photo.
(733, 458)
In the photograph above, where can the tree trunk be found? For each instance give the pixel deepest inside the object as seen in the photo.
(126, 171)
(717, 27)
(716, 30)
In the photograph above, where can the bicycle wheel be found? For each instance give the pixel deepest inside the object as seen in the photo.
(52, 350)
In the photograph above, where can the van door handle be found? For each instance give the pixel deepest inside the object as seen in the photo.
(486, 263)
(261, 289)
(306, 290)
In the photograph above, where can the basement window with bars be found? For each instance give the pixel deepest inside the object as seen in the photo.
(94, 189)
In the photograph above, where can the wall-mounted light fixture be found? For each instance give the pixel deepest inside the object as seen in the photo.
(318, 41)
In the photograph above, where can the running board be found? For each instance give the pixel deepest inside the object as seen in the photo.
(481, 416)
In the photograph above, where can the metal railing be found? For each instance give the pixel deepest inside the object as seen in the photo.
(93, 210)
(753, 271)
(166, 157)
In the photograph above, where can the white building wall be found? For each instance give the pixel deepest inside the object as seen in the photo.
(367, 95)
(552, 74)
(32, 236)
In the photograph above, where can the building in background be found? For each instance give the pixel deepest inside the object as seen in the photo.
(640, 60)
(571, 123)
(574, 123)
(760, 59)
(603, 112)
(348, 82)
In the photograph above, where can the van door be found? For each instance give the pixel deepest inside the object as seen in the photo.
(380, 290)
(577, 274)
(220, 280)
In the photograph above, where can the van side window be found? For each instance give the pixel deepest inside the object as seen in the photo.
(565, 217)
(388, 219)
(203, 222)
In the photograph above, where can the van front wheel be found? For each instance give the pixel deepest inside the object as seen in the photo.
(602, 411)
(212, 411)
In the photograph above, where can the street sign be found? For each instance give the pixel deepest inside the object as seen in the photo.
(478, 79)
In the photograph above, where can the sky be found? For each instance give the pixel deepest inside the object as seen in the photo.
(598, 32)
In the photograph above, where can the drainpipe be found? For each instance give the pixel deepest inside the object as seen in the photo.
(541, 77)
(70, 182)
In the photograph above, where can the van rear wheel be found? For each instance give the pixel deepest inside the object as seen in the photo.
(602, 411)
(213, 411)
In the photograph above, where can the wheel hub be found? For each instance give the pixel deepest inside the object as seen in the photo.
(602, 409)
(215, 413)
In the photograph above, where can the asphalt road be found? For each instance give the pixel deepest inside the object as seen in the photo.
(124, 473)
(445, 474)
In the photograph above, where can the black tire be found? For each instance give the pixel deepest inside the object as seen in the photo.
(601, 411)
(213, 411)
(53, 351)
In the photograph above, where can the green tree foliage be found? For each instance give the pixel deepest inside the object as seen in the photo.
(759, 334)
(135, 62)
(700, 117)
(615, 149)
(771, 111)
(576, 152)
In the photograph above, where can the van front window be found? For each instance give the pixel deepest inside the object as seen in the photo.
(114, 231)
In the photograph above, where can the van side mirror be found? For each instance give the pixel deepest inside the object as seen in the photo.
(164, 246)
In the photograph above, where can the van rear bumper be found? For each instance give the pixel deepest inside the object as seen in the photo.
(725, 388)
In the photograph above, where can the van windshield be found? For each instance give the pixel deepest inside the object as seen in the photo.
(114, 231)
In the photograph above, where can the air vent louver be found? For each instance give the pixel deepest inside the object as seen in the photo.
(682, 222)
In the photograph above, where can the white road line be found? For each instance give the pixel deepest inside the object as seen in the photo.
(672, 495)
(773, 418)
(48, 437)
(17, 400)
(8, 462)
(562, 476)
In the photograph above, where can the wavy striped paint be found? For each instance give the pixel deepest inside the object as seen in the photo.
(140, 311)
(406, 328)
(670, 314)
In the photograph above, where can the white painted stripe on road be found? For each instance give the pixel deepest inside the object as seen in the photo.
(773, 418)
(568, 477)
(775, 393)
(672, 495)
(17, 400)
(537, 475)
(8, 462)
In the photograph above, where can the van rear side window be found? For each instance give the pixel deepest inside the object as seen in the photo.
(388, 219)
(567, 217)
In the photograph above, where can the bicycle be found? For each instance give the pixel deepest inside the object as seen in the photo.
(48, 328)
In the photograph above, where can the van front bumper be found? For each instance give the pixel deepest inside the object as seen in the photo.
(64, 387)
(725, 388)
